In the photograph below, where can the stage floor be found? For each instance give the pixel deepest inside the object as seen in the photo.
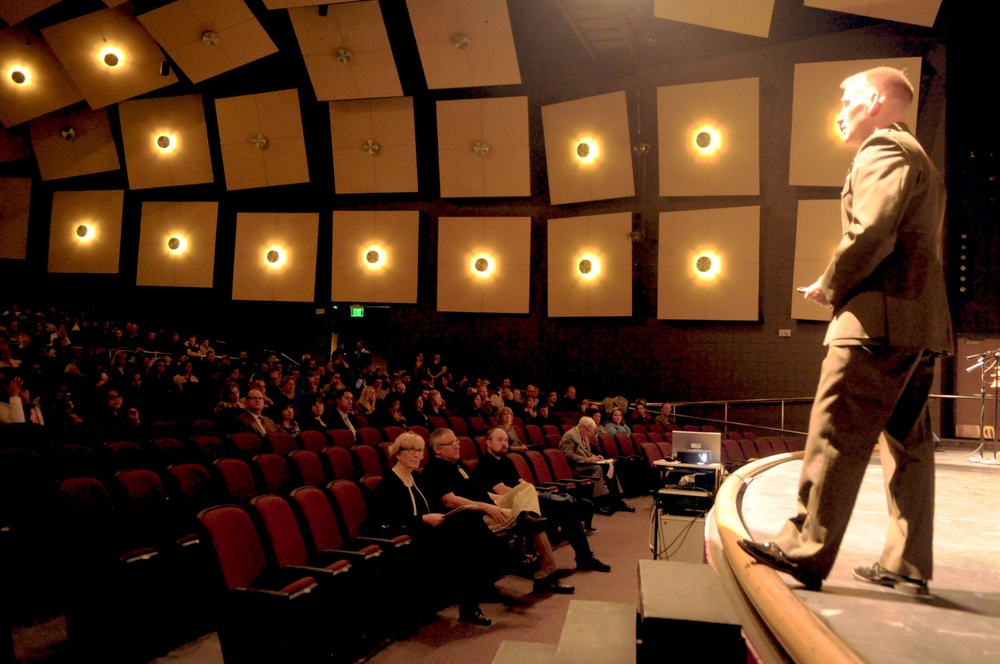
(960, 620)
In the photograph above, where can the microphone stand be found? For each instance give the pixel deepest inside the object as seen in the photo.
(994, 356)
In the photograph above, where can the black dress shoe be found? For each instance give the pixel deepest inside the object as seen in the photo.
(593, 565)
(475, 616)
(532, 523)
(550, 585)
(768, 553)
(883, 577)
(605, 511)
(623, 507)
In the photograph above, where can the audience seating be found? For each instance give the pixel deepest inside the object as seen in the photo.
(237, 478)
(368, 461)
(269, 614)
(314, 441)
(341, 463)
(282, 443)
(273, 475)
(307, 468)
(369, 436)
(206, 448)
(342, 438)
(391, 433)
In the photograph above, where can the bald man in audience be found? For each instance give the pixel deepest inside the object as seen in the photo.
(252, 419)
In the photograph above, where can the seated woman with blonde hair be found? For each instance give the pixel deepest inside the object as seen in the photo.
(453, 550)
(366, 402)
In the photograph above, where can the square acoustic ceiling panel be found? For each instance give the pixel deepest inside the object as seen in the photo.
(32, 82)
(166, 142)
(375, 256)
(709, 264)
(709, 137)
(275, 256)
(464, 43)
(483, 147)
(262, 140)
(588, 150)
(374, 146)
(208, 37)
(74, 141)
(15, 203)
(109, 56)
(751, 17)
(590, 265)
(14, 144)
(86, 231)
(817, 236)
(917, 12)
(484, 264)
(347, 52)
(177, 244)
(819, 156)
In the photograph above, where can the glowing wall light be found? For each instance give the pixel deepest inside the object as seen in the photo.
(482, 266)
(586, 150)
(19, 75)
(85, 231)
(111, 57)
(275, 257)
(588, 266)
(706, 140)
(706, 265)
(176, 244)
(373, 257)
(164, 142)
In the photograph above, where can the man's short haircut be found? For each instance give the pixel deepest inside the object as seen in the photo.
(887, 80)
(586, 421)
(437, 435)
(339, 394)
(491, 431)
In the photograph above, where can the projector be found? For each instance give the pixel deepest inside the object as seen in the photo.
(698, 457)
(689, 501)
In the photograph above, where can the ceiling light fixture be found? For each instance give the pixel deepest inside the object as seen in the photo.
(209, 38)
(482, 266)
(373, 257)
(588, 267)
(19, 76)
(68, 133)
(259, 141)
(481, 148)
(371, 146)
(163, 142)
(344, 55)
(460, 41)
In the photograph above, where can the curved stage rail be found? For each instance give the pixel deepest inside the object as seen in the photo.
(779, 626)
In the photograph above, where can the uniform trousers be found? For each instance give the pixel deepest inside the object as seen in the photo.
(867, 395)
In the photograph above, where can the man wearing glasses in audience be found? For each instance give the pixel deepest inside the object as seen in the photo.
(451, 482)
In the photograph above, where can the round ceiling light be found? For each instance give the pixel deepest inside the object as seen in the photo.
(273, 256)
(19, 76)
(163, 142)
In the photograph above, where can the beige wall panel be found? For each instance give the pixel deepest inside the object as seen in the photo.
(600, 237)
(501, 124)
(388, 122)
(45, 87)
(730, 237)
(603, 119)
(489, 56)
(358, 28)
(395, 235)
(295, 236)
(505, 242)
(98, 252)
(82, 43)
(752, 17)
(729, 110)
(192, 264)
(182, 120)
(817, 234)
(275, 116)
(917, 12)
(819, 156)
(92, 150)
(15, 204)
(179, 27)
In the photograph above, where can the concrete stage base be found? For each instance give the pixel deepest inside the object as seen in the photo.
(960, 621)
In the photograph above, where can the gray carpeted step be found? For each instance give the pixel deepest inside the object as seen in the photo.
(597, 632)
(522, 652)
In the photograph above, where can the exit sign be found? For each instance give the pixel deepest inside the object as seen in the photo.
(357, 311)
